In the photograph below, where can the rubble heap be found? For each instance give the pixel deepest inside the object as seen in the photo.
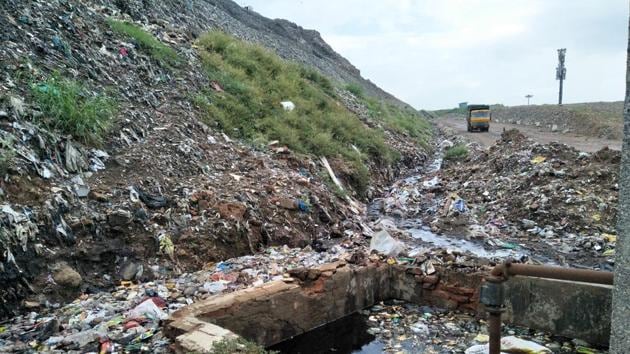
(545, 196)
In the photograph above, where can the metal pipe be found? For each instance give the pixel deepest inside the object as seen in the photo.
(494, 331)
(502, 272)
(584, 275)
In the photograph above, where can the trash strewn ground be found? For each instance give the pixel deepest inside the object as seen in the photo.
(128, 318)
(406, 328)
(547, 200)
(164, 192)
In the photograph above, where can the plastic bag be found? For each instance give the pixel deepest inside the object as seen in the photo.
(511, 345)
(383, 243)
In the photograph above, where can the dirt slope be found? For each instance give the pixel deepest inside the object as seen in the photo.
(165, 192)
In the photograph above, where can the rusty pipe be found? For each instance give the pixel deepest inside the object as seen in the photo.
(502, 272)
(507, 269)
(494, 331)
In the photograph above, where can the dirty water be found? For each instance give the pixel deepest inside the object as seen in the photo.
(397, 327)
(460, 245)
(349, 335)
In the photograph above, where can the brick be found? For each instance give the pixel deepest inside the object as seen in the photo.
(431, 279)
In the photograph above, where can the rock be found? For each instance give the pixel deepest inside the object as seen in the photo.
(554, 128)
(131, 271)
(66, 276)
(528, 224)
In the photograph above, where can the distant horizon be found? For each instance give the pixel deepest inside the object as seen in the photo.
(525, 104)
(420, 51)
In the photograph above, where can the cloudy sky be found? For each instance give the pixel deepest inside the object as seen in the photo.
(436, 53)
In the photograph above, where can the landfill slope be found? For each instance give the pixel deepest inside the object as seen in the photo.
(163, 192)
(286, 38)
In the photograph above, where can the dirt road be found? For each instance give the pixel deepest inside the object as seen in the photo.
(582, 143)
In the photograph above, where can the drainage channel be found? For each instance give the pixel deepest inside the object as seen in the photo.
(377, 306)
(422, 239)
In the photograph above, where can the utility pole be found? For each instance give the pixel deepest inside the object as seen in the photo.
(561, 71)
(528, 96)
(620, 326)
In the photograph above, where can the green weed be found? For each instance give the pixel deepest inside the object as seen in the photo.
(69, 108)
(355, 89)
(238, 345)
(255, 81)
(146, 41)
(402, 120)
(456, 152)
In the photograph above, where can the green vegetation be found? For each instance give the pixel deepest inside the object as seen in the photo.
(355, 89)
(443, 112)
(146, 41)
(254, 81)
(68, 107)
(456, 152)
(402, 120)
(7, 153)
(238, 345)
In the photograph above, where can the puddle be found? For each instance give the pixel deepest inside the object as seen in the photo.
(461, 245)
(348, 335)
(390, 327)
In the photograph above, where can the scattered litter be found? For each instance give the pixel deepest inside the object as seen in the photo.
(383, 243)
(288, 105)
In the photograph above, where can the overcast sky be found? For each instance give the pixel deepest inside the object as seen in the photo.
(434, 54)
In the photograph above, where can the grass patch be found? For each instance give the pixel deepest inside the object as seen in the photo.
(239, 345)
(355, 89)
(456, 152)
(255, 81)
(401, 120)
(147, 42)
(69, 108)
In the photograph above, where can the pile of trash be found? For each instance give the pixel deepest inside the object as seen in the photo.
(166, 192)
(549, 198)
(400, 327)
(129, 318)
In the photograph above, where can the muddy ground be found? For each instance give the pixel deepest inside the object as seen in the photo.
(581, 142)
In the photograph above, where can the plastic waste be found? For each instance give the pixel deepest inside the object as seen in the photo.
(302, 206)
(148, 309)
(152, 201)
(431, 183)
(288, 105)
(460, 205)
(511, 345)
(383, 243)
(214, 287)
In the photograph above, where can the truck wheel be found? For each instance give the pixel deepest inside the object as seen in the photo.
(468, 128)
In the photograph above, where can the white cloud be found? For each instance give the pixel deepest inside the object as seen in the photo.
(434, 54)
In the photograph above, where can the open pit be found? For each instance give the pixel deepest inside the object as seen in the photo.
(280, 310)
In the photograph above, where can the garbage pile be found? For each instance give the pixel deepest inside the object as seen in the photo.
(400, 327)
(165, 193)
(128, 318)
(549, 198)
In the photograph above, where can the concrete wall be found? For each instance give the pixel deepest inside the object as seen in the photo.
(280, 310)
(572, 309)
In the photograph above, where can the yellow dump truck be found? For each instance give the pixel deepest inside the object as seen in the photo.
(478, 117)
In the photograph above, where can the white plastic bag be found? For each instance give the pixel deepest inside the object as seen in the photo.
(383, 243)
(288, 105)
(511, 345)
(148, 309)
